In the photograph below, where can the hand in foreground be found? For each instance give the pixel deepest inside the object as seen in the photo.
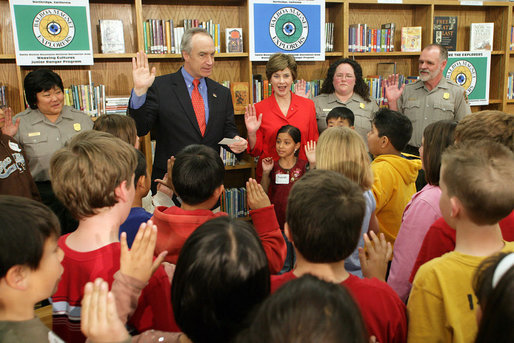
(267, 165)
(239, 146)
(310, 152)
(142, 76)
(99, 318)
(300, 88)
(162, 186)
(256, 196)
(8, 127)
(138, 262)
(375, 257)
(252, 122)
(167, 180)
(393, 93)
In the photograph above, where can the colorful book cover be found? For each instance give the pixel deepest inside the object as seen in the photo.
(234, 39)
(240, 95)
(111, 36)
(411, 38)
(445, 32)
(481, 36)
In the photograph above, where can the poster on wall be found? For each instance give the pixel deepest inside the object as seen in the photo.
(471, 70)
(289, 26)
(51, 32)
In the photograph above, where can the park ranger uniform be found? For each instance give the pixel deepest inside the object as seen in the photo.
(362, 110)
(446, 101)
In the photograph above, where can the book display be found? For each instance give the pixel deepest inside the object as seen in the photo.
(114, 69)
(112, 38)
(445, 32)
(411, 38)
(481, 36)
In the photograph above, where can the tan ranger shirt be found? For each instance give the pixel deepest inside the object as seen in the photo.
(446, 101)
(40, 137)
(362, 110)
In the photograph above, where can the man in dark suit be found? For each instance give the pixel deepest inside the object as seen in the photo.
(185, 107)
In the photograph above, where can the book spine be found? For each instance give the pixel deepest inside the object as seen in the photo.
(145, 36)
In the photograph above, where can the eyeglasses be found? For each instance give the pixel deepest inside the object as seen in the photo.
(344, 76)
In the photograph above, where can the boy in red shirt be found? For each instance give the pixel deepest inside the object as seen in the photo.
(94, 176)
(324, 217)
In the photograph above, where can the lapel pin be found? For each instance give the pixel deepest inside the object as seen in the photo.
(214, 95)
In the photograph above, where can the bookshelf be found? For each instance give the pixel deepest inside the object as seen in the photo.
(114, 70)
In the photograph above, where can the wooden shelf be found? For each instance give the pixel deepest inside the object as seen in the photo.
(113, 56)
(7, 56)
(242, 165)
(384, 54)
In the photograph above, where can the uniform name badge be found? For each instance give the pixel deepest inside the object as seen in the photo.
(282, 179)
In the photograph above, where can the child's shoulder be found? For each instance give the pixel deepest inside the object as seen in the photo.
(74, 256)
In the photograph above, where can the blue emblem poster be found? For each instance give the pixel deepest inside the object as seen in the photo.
(52, 32)
(289, 26)
(471, 70)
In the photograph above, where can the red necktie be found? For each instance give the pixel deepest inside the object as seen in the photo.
(198, 106)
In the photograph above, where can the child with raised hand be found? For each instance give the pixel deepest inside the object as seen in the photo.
(279, 176)
(343, 150)
(423, 209)
(197, 175)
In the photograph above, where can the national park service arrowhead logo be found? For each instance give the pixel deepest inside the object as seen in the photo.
(288, 28)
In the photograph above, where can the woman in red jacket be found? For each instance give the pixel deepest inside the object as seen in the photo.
(282, 108)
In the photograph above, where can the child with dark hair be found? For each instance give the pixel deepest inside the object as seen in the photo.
(423, 209)
(340, 116)
(307, 310)
(222, 274)
(30, 268)
(138, 214)
(476, 193)
(395, 173)
(493, 285)
(279, 176)
(197, 175)
(325, 211)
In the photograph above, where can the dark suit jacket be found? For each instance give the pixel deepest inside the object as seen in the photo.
(168, 110)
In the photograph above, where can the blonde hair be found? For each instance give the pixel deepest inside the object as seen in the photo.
(341, 149)
(87, 171)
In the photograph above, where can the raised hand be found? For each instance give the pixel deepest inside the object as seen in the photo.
(300, 88)
(256, 196)
(252, 122)
(267, 165)
(393, 93)
(375, 257)
(8, 127)
(142, 76)
(310, 152)
(138, 262)
(99, 318)
(166, 183)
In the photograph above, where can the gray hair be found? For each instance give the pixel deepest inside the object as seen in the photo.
(185, 44)
(443, 52)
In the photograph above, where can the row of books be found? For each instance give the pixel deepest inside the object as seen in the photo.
(3, 96)
(262, 89)
(377, 87)
(89, 99)
(361, 38)
(511, 38)
(233, 202)
(510, 87)
(329, 37)
(162, 36)
(228, 157)
(92, 100)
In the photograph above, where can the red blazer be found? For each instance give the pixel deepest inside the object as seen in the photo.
(301, 114)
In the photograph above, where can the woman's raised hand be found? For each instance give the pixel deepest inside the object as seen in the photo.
(252, 122)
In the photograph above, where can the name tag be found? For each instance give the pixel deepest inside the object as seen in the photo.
(33, 134)
(282, 179)
(327, 109)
